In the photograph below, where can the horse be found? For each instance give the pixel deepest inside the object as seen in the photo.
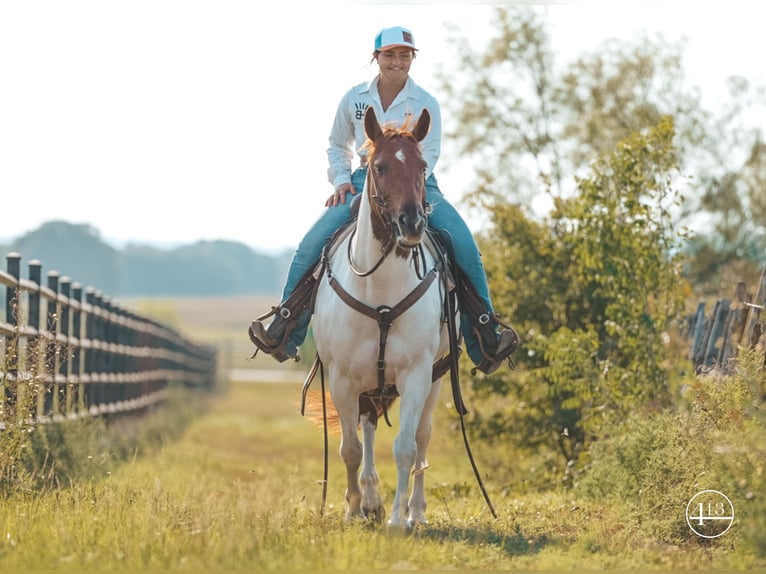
(379, 323)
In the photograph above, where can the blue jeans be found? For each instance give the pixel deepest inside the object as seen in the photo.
(444, 218)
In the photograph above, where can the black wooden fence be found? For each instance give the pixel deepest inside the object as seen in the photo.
(79, 353)
(731, 324)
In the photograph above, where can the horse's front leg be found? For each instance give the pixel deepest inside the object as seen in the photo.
(350, 450)
(413, 399)
(417, 504)
(371, 503)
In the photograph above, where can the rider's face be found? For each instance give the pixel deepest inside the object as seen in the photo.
(395, 63)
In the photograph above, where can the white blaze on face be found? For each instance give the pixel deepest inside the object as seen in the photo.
(400, 156)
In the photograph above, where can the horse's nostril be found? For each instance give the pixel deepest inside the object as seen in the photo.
(414, 223)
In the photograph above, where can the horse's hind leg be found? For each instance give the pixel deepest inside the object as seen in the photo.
(371, 503)
(417, 504)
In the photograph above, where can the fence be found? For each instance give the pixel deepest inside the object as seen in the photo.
(78, 353)
(715, 338)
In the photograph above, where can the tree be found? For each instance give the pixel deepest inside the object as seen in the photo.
(528, 124)
(595, 284)
(730, 172)
(596, 289)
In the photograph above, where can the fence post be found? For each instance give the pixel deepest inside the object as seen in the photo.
(76, 357)
(719, 321)
(35, 276)
(35, 345)
(753, 328)
(91, 353)
(52, 356)
(13, 266)
(729, 338)
(12, 306)
(698, 335)
(65, 286)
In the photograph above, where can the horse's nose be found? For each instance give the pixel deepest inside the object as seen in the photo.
(412, 223)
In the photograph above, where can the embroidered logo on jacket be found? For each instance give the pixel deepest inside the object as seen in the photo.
(359, 108)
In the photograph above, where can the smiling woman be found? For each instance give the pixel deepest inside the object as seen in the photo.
(396, 101)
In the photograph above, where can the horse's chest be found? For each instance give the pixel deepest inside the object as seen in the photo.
(345, 334)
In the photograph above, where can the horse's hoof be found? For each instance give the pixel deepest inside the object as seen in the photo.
(403, 527)
(414, 523)
(354, 516)
(375, 514)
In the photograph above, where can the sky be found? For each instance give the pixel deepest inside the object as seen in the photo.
(166, 122)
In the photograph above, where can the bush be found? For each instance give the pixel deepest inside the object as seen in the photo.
(715, 439)
(596, 292)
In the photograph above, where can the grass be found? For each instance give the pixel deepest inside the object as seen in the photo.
(232, 481)
(218, 321)
(239, 490)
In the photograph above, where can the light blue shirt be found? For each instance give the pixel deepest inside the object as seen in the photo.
(347, 135)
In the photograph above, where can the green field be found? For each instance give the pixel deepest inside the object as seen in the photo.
(239, 489)
(232, 481)
(221, 322)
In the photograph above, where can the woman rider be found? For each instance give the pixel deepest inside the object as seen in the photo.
(395, 96)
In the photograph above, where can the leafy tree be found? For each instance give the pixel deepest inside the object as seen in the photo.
(596, 289)
(593, 278)
(730, 172)
(528, 123)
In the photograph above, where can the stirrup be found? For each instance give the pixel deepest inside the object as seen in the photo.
(263, 342)
(506, 346)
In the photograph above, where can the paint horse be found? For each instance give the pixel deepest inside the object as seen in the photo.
(379, 326)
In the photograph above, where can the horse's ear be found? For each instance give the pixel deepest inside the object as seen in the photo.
(371, 126)
(423, 125)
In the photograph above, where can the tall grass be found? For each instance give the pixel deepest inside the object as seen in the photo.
(232, 481)
(235, 485)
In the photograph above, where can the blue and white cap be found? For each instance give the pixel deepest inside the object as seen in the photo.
(394, 37)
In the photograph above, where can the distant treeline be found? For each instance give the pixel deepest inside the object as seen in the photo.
(205, 268)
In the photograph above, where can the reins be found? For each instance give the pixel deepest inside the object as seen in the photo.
(457, 396)
(374, 268)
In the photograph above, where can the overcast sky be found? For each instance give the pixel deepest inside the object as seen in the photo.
(170, 121)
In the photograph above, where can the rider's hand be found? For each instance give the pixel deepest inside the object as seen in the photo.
(340, 195)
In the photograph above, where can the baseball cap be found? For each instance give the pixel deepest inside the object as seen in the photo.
(394, 37)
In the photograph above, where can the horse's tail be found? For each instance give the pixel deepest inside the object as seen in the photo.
(314, 413)
(374, 407)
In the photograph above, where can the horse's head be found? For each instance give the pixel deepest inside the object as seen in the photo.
(396, 179)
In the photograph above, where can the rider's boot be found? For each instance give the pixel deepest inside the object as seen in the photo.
(295, 310)
(497, 340)
(272, 340)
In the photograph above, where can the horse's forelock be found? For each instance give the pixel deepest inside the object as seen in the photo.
(391, 131)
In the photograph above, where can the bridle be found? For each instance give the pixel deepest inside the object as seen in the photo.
(379, 204)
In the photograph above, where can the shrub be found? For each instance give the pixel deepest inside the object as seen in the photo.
(715, 439)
